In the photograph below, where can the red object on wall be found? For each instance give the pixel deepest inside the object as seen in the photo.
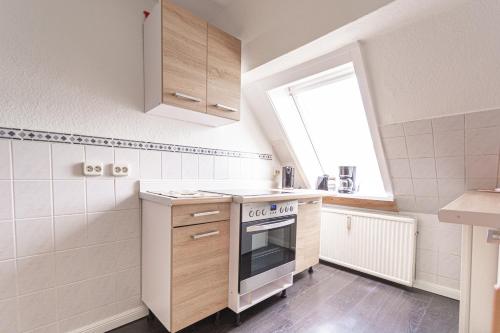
(146, 13)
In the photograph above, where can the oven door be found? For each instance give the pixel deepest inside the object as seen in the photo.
(267, 251)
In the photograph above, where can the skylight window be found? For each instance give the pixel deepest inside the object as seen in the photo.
(327, 126)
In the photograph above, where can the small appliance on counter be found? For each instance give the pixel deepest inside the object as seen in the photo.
(288, 177)
(347, 179)
(322, 183)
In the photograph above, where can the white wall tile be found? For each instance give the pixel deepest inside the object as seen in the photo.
(72, 299)
(449, 266)
(69, 197)
(450, 143)
(129, 253)
(449, 236)
(449, 188)
(221, 170)
(427, 261)
(6, 201)
(130, 157)
(127, 304)
(52, 328)
(395, 148)
(150, 162)
(31, 160)
(425, 187)
(206, 167)
(71, 266)
(101, 227)
(247, 169)
(32, 198)
(427, 239)
(35, 273)
(128, 283)
(70, 231)
(391, 131)
(235, 168)
(100, 195)
(34, 236)
(485, 166)
(102, 259)
(6, 240)
(450, 283)
(400, 168)
(420, 145)
(482, 141)
(189, 166)
(101, 291)
(5, 160)
(402, 186)
(417, 127)
(127, 194)
(481, 183)
(37, 309)
(423, 168)
(171, 165)
(450, 167)
(429, 205)
(67, 161)
(451, 123)
(104, 155)
(482, 119)
(422, 276)
(406, 203)
(7, 279)
(127, 224)
(8, 315)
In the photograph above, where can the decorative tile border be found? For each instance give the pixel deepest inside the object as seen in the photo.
(31, 135)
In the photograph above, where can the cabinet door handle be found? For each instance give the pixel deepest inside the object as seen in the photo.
(349, 223)
(186, 97)
(206, 234)
(214, 212)
(225, 108)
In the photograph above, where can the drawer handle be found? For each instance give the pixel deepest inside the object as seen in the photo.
(309, 203)
(225, 108)
(214, 212)
(206, 234)
(187, 97)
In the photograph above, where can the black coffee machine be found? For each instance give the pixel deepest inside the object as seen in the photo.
(347, 179)
(288, 177)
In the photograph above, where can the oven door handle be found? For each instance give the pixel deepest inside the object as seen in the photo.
(269, 226)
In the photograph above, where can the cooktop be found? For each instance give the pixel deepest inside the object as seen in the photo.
(247, 192)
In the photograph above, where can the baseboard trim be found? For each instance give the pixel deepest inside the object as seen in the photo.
(114, 321)
(437, 289)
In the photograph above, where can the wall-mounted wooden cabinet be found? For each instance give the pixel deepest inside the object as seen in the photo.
(192, 70)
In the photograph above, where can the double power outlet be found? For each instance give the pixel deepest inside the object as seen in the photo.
(97, 169)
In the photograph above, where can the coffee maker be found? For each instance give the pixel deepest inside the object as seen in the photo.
(347, 179)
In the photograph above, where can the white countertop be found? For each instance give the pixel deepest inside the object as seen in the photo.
(473, 208)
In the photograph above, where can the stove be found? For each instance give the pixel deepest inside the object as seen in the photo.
(247, 192)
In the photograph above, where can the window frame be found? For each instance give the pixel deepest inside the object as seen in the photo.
(349, 54)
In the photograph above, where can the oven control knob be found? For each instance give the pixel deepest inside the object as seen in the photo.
(281, 210)
(264, 212)
(291, 209)
(250, 213)
(286, 209)
(257, 212)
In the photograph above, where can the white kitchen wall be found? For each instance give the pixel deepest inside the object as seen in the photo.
(69, 244)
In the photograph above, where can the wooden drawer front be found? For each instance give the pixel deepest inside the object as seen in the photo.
(196, 214)
(200, 269)
(184, 58)
(224, 74)
(308, 234)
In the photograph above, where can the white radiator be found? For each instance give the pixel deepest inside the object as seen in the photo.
(382, 245)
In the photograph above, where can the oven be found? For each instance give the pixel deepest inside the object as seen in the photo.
(267, 243)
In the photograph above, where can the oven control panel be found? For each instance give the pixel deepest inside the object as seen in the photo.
(265, 210)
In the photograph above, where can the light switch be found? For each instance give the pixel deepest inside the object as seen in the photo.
(120, 170)
(93, 169)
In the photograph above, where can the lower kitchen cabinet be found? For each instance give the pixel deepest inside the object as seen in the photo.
(185, 268)
(200, 261)
(308, 234)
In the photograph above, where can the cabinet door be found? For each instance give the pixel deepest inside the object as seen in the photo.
(224, 74)
(336, 242)
(200, 269)
(184, 43)
(308, 234)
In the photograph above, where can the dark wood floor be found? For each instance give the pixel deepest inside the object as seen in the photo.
(333, 300)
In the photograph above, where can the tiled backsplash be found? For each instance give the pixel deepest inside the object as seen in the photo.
(434, 161)
(70, 245)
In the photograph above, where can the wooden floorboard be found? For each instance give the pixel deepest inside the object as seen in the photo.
(333, 300)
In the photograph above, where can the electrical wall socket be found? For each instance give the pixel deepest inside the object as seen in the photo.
(93, 169)
(120, 170)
